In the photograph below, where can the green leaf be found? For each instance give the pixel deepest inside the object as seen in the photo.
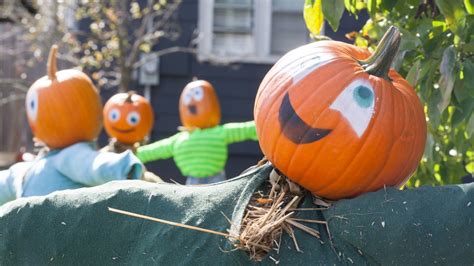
(412, 76)
(446, 82)
(313, 16)
(372, 7)
(350, 5)
(388, 4)
(470, 126)
(468, 69)
(454, 13)
(409, 40)
(463, 111)
(332, 11)
(469, 6)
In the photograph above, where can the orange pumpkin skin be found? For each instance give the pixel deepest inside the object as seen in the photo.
(199, 106)
(335, 129)
(128, 117)
(64, 107)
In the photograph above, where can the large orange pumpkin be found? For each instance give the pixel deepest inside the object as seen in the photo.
(199, 106)
(63, 107)
(338, 122)
(128, 117)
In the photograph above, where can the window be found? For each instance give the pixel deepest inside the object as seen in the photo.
(250, 30)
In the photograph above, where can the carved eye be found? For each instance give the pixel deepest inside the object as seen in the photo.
(198, 94)
(114, 115)
(32, 105)
(133, 118)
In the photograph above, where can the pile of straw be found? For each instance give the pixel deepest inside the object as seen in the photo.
(269, 214)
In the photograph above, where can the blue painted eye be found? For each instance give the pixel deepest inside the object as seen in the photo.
(32, 105)
(133, 118)
(114, 115)
(364, 96)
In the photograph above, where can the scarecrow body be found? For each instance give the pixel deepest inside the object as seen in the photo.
(200, 153)
(200, 150)
(78, 165)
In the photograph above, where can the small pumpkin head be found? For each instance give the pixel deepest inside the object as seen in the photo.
(63, 107)
(338, 122)
(199, 106)
(128, 117)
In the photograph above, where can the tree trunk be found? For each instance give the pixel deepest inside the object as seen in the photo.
(126, 78)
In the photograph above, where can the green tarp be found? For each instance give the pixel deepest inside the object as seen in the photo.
(422, 226)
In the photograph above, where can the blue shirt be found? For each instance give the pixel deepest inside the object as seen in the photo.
(76, 166)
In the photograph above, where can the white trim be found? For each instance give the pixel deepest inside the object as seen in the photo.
(263, 22)
(205, 22)
(261, 34)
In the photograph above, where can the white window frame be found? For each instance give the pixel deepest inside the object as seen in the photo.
(261, 34)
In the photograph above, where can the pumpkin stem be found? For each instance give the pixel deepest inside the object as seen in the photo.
(129, 96)
(51, 66)
(379, 63)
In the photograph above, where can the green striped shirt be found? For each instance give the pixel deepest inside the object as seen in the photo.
(202, 152)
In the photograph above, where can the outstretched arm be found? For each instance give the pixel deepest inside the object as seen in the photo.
(7, 192)
(162, 149)
(236, 132)
(85, 165)
(11, 181)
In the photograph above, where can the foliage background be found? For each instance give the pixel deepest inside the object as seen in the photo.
(437, 57)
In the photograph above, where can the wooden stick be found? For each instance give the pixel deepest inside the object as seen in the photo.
(136, 215)
(307, 209)
(309, 221)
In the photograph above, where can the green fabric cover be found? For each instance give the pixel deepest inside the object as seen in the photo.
(421, 226)
(200, 153)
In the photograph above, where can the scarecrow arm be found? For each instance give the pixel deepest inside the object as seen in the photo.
(236, 132)
(162, 149)
(83, 164)
(7, 191)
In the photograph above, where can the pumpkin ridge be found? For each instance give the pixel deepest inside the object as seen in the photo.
(313, 92)
(270, 107)
(293, 158)
(376, 177)
(367, 135)
(414, 145)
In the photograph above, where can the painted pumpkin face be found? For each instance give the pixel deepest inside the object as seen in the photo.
(337, 125)
(199, 106)
(64, 107)
(128, 117)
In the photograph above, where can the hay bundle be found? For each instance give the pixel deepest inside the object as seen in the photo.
(269, 214)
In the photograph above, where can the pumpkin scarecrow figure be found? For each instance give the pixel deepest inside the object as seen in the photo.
(64, 113)
(128, 119)
(200, 149)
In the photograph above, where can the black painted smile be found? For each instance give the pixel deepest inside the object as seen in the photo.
(123, 130)
(294, 128)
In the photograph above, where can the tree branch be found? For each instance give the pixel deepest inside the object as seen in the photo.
(170, 50)
(142, 33)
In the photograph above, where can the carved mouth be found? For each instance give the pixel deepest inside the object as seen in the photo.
(192, 109)
(123, 130)
(294, 128)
